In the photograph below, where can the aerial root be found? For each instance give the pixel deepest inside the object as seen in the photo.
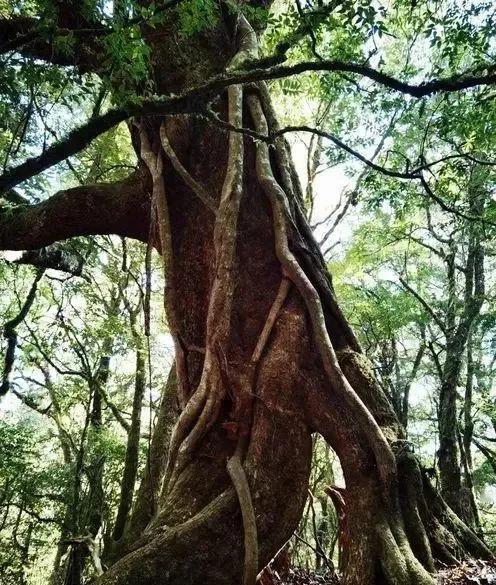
(160, 217)
(235, 463)
(281, 295)
(240, 483)
(291, 185)
(197, 188)
(383, 454)
(386, 464)
(202, 409)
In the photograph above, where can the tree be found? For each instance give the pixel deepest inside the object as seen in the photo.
(244, 280)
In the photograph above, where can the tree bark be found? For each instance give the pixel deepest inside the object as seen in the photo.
(119, 208)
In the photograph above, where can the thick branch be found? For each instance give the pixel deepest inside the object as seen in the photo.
(118, 208)
(194, 100)
(55, 257)
(72, 144)
(11, 335)
(28, 36)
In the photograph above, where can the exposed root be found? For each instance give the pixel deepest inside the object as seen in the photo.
(197, 188)
(240, 483)
(448, 534)
(383, 454)
(398, 563)
(412, 502)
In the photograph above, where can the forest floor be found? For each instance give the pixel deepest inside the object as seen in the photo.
(470, 573)
(467, 573)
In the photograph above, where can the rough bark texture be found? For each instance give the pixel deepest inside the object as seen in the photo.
(121, 208)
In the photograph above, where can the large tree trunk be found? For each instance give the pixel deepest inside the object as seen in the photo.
(258, 337)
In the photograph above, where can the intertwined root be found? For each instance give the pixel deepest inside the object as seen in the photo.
(202, 408)
(293, 270)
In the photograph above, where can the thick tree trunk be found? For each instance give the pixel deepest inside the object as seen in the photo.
(264, 359)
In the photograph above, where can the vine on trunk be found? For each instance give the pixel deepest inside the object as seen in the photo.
(398, 561)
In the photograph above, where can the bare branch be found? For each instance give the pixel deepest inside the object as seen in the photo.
(120, 208)
(415, 174)
(424, 304)
(258, 71)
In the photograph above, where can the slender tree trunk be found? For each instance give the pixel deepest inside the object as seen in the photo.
(458, 331)
(147, 497)
(132, 447)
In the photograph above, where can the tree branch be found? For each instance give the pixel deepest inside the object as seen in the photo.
(258, 71)
(59, 151)
(118, 208)
(32, 38)
(430, 311)
(194, 100)
(10, 333)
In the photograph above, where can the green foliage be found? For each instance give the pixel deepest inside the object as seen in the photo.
(72, 324)
(197, 15)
